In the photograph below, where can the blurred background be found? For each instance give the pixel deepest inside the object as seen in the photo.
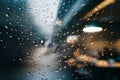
(59, 40)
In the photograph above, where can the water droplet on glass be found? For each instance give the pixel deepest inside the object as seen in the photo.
(55, 3)
(8, 8)
(7, 15)
(42, 41)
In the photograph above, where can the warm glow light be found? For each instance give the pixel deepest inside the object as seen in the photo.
(72, 39)
(100, 6)
(92, 29)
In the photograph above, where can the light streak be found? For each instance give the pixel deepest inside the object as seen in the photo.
(99, 7)
(92, 29)
(43, 14)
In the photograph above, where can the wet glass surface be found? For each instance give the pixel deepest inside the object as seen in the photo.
(59, 40)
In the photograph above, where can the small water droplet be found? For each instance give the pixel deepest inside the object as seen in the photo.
(42, 41)
(55, 3)
(7, 15)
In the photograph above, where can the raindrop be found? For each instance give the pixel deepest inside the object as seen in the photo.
(1, 40)
(8, 8)
(6, 27)
(41, 41)
(91, 43)
(63, 75)
(0, 32)
(10, 36)
(18, 38)
(55, 3)
(28, 73)
(7, 15)
(65, 67)
(83, 4)
(4, 47)
(20, 59)
(36, 45)
(27, 53)
(6, 32)
(66, 10)
(60, 69)
(19, 8)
